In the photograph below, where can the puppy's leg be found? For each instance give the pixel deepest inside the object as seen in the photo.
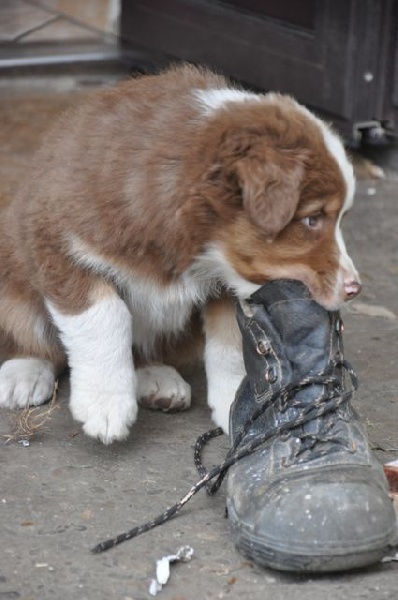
(223, 358)
(161, 387)
(99, 346)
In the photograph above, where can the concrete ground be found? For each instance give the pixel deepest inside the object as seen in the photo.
(64, 492)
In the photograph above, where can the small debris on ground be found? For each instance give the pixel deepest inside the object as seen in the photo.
(183, 554)
(31, 420)
(25, 443)
(391, 472)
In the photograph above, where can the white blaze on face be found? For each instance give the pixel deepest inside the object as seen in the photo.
(347, 269)
(335, 146)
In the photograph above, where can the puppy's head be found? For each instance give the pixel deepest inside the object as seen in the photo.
(289, 176)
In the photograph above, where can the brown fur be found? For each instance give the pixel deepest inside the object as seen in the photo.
(146, 181)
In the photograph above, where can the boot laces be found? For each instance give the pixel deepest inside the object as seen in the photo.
(334, 396)
(326, 419)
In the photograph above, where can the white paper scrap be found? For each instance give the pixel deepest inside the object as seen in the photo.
(163, 569)
(154, 587)
(183, 554)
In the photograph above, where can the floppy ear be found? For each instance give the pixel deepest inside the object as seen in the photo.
(270, 189)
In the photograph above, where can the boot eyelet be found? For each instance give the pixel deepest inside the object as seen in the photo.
(339, 326)
(271, 375)
(263, 347)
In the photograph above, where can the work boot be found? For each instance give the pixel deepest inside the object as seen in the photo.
(309, 495)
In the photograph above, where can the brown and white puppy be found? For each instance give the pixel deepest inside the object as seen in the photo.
(141, 207)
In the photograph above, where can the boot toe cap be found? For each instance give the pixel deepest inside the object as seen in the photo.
(320, 521)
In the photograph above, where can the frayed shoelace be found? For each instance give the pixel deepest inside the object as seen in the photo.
(329, 402)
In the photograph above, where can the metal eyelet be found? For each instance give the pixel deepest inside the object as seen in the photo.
(271, 375)
(263, 347)
(339, 326)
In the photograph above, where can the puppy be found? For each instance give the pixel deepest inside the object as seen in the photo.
(149, 207)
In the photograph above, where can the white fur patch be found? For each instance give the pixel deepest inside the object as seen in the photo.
(160, 387)
(336, 149)
(156, 309)
(215, 99)
(346, 264)
(160, 309)
(99, 346)
(26, 382)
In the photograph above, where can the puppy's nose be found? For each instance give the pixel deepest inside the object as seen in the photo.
(351, 288)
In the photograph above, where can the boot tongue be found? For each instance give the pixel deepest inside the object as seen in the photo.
(303, 325)
(279, 291)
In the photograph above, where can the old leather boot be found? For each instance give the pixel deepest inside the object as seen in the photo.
(310, 497)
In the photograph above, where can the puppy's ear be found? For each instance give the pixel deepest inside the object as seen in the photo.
(270, 190)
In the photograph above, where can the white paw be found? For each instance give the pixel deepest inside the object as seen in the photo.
(162, 388)
(26, 382)
(106, 416)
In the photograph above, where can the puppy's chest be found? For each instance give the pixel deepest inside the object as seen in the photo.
(157, 309)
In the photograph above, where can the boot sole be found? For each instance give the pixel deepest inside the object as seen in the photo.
(325, 560)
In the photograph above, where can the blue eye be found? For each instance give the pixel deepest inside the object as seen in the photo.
(312, 221)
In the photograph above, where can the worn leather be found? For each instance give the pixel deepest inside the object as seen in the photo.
(316, 490)
(288, 336)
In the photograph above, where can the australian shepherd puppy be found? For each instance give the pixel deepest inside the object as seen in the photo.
(146, 211)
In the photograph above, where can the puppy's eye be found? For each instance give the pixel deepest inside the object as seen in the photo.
(312, 222)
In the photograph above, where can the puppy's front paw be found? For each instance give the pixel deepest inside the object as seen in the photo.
(107, 417)
(26, 382)
(161, 388)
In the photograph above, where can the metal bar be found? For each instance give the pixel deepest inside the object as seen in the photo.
(30, 55)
